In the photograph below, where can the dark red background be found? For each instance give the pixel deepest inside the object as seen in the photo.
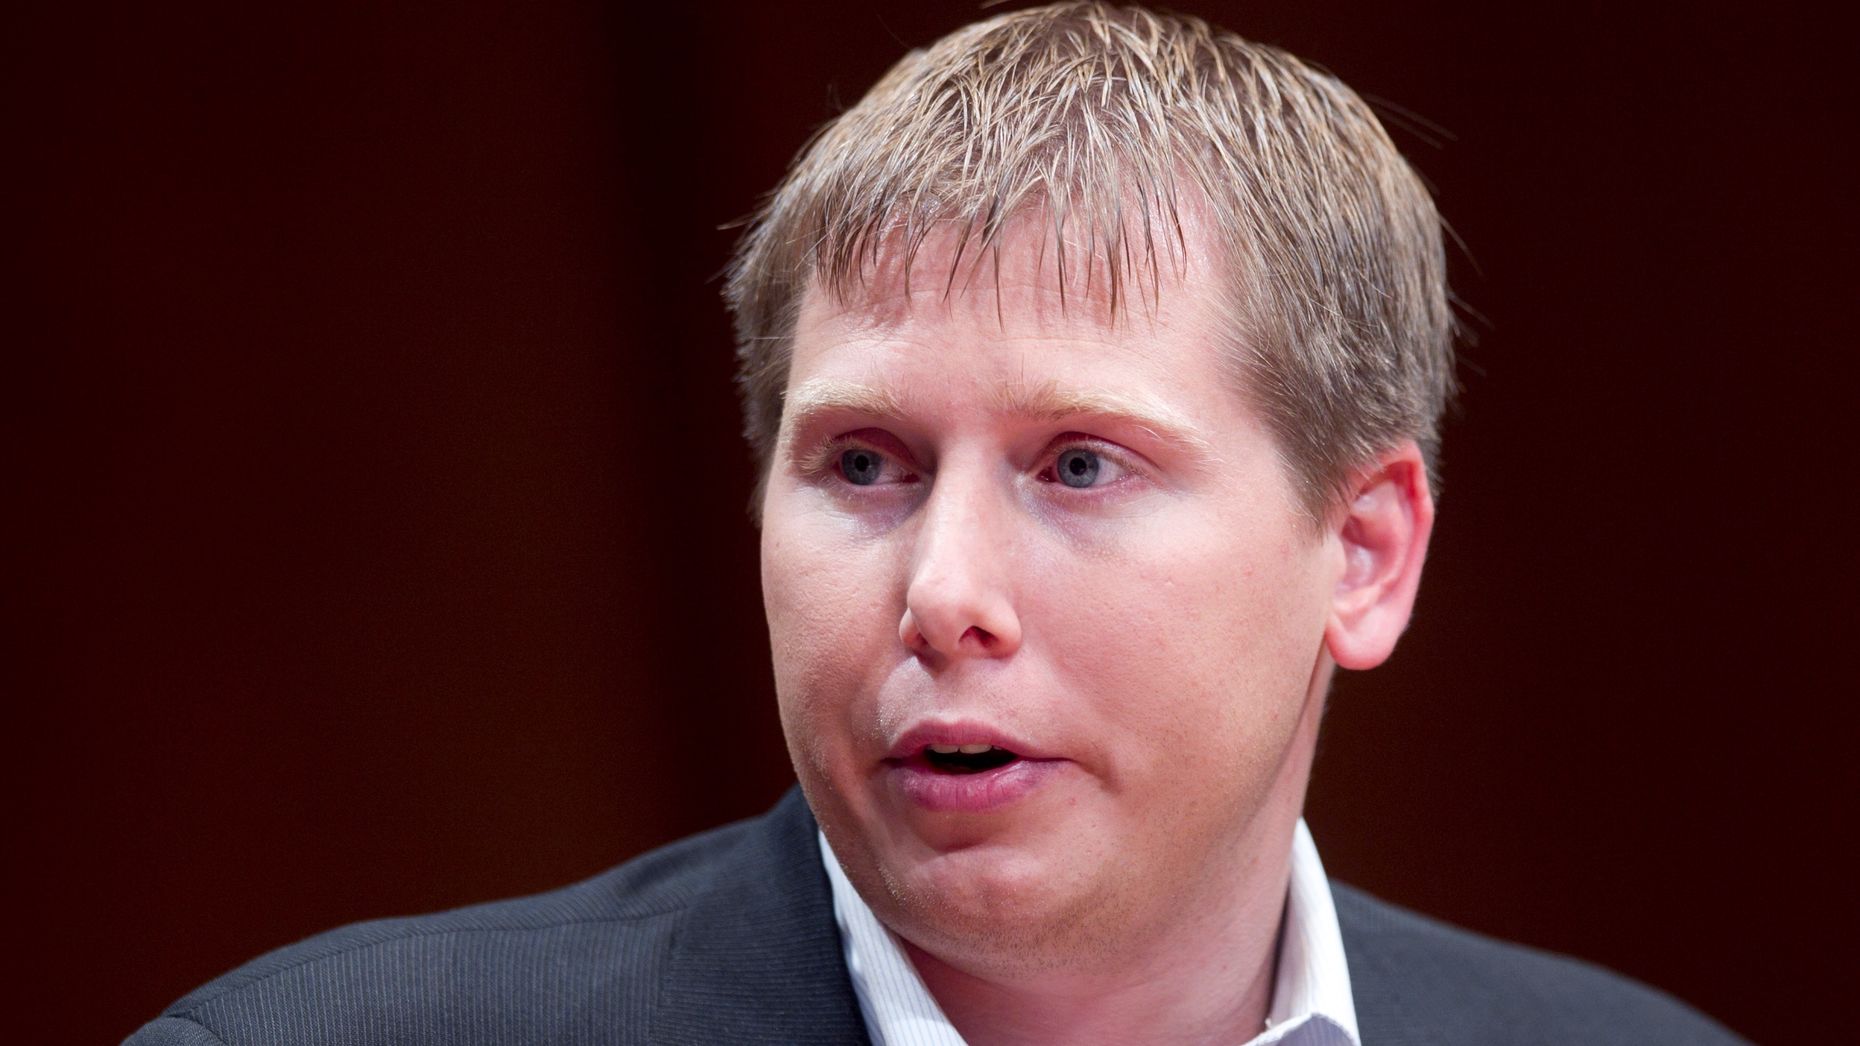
(378, 499)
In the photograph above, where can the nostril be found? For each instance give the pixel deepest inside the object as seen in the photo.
(974, 637)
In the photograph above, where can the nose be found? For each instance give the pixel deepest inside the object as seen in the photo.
(960, 601)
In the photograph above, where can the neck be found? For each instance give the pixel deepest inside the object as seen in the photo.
(1208, 980)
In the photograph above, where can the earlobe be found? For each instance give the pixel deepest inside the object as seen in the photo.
(1382, 532)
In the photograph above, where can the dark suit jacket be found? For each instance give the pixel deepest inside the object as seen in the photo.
(729, 937)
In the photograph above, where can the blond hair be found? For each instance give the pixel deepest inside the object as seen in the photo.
(1099, 118)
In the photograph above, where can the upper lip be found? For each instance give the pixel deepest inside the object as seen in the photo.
(960, 732)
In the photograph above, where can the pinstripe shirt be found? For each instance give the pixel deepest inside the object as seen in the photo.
(1311, 1000)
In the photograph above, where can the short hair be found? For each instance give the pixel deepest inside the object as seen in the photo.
(1103, 117)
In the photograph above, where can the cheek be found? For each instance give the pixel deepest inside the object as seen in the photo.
(1201, 645)
(831, 630)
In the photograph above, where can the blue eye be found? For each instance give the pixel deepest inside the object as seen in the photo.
(861, 467)
(1077, 467)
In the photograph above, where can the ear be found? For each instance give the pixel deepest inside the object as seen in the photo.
(1382, 530)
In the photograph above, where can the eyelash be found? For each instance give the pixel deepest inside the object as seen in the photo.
(1107, 452)
(825, 459)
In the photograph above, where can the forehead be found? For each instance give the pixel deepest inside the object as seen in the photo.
(1032, 281)
(962, 335)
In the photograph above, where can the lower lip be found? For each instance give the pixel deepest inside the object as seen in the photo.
(989, 790)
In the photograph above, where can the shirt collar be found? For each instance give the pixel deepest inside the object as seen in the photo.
(1311, 1000)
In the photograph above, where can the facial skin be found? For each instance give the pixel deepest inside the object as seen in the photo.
(1160, 634)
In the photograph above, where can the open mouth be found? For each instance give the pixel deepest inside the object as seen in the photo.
(966, 759)
(950, 768)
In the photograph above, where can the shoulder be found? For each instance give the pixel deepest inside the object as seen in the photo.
(517, 970)
(1416, 979)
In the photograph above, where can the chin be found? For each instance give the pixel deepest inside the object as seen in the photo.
(999, 907)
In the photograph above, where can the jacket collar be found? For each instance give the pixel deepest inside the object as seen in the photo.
(757, 957)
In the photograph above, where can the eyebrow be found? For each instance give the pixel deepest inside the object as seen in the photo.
(818, 396)
(1047, 402)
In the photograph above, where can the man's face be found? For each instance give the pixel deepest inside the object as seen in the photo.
(1066, 535)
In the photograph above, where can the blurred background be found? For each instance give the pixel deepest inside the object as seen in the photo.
(378, 522)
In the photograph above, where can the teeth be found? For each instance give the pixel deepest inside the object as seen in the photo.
(964, 749)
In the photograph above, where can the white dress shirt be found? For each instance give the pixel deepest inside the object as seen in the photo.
(1311, 1003)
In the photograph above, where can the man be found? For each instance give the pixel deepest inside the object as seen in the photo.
(1094, 361)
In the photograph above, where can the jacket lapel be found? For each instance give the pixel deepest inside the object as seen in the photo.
(1386, 1015)
(758, 956)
